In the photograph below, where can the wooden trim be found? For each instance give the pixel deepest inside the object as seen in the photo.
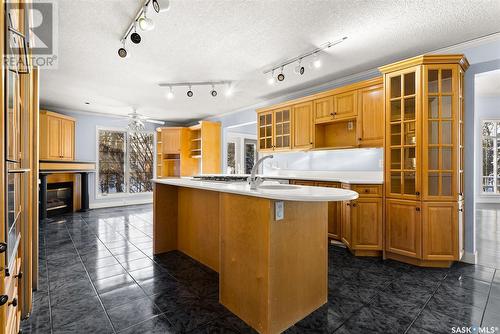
(425, 60)
(67, 166)
(54, 114)
(3, 310)
(339, 90)
(418, 262)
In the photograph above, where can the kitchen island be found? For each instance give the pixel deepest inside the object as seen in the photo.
(268, 245)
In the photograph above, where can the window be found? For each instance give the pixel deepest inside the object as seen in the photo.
(491, 157)
(126, 161)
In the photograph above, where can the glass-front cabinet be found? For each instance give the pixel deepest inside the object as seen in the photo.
(403, 131)
(274, 130)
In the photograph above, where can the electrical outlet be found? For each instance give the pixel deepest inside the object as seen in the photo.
(279, 210)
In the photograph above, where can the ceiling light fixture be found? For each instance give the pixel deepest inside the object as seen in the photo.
(213, 92)
(170, 94)
(161, 5)
(271, 80)
(135, 37)
(122, 52)
(190, 92)
(229, 90)
(315, 63)
(145, 23)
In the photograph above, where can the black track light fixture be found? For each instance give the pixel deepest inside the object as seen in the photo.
(213, 92)
(190, 92)
(156, 6)
(135, 37)
(281, 76)
(122, 52)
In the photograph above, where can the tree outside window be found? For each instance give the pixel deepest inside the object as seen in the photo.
(491, 157)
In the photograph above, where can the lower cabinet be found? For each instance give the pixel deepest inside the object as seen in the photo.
(366, 223)
(440, 231)
(346, 236)
(403, 228)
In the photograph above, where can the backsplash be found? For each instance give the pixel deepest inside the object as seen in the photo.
(367, 159)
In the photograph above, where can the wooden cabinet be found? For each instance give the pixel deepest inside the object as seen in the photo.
(346, 235)
(334, 213)
(302, 126)
(57, 136)
(403, 228)
(366, 224)
(275, 129)
(424, 159)
(265, 131)
(171, 140)
(345, 105)
(371, 118)
(323, 109)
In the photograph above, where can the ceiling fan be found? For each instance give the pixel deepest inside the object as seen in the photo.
(135, 117)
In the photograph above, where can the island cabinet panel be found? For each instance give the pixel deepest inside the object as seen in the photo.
(302, 126)
(403, 228)
(440, 231)
(198, 225)
(165, 218)
(366, 223)
(261, 274)
(323, 109)
(371, 118)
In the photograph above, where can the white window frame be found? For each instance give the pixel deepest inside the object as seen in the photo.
(98, 194)
(496, 145)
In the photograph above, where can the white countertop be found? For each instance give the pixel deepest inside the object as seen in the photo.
(358, 177)
(291, 193)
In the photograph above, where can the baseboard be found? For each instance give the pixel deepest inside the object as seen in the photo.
(470, 258)
(115, 203)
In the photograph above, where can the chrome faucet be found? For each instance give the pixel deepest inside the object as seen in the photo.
(253, 180)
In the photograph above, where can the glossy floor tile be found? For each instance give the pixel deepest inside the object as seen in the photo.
(98, 275)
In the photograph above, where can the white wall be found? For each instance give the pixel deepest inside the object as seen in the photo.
(486, 108)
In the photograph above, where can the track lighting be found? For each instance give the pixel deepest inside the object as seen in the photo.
(281, 76)
(161, 5)
(213, 92)
(170, 94)
(299, 69)
(135, 37)
(122, 52)
(145, 23)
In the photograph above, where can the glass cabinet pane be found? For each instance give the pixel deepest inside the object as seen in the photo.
(395, 87)
(446, 184)
(446, 82)
(409, 109)
(396, 158)
(396, 134)
(446, 162)
(446, 132)
(279, 129)
(269, 131)
(409, 80)
(396, 111)
(432, 85)
(286, 128)
(286, 116)
(396, 182)
(433, 132)
(409, 133)
(410, 158)
(433, 181)
(269, 119)
(433, 158)
(446, 107)
(433, 106)
(409, 183)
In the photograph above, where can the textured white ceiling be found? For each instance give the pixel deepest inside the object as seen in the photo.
(488, 84)
(235, 40)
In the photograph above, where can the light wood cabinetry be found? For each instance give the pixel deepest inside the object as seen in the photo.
(346, 227)
(345, 117)
(57, 136)
(371, 116)
(188, 151)
(424, 159)
(302, 125)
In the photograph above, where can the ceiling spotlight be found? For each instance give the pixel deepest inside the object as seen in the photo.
(170, 94)
(229, 90)
(271, 79)
(281, 76)
(145, 23)
(135, 37)
(161, 5)
(156, 6)
(122, 52)
(316, 61)
(299, 69)
(213, 92)
(190, 92)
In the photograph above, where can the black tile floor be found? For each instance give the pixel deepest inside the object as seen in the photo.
(98, 275)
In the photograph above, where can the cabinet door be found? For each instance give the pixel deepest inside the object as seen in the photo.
(366, 220)
(54, 138)
(171, 141)
(302, 126)
(345, 105)
(265, 128)
(334, 213)
(346, 223)
(323, 109)
(371, 117)
(403, 228)
(440, 231)
(403, 134)
(440, 133)
(67, 139)
(282, 129)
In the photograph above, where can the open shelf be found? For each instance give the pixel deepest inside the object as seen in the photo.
(336, 135)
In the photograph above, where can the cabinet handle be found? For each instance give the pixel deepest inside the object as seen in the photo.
(353, 205)
(417, 193)
(3, 247)
(418, 209)
(19, 276)
(360, 139)
(460, 210)
(13, 302)
(348, 204)
(3, 299)
(460, 194)
(331, 114)
(367, 191)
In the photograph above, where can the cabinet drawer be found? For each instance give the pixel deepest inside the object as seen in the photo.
(368, 190)
(328, 184)
(303, 183)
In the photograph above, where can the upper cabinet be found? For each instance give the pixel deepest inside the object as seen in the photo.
(57, 136)
(345, 117)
